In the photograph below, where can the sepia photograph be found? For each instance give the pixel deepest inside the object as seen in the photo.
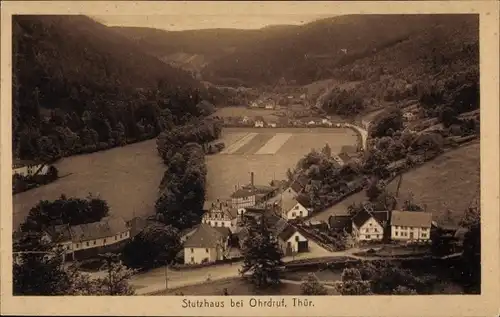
(273, 156)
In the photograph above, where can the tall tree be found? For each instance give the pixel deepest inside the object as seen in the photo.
(262, 256)
(311, 286)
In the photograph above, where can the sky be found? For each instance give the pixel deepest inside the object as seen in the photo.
(191, 22)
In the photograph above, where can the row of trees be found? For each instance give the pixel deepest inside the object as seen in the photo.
(182, 189)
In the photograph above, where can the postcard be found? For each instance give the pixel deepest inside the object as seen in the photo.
(250, 158)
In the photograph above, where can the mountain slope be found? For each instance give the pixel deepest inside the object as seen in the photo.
(307, 53)
(78, 86)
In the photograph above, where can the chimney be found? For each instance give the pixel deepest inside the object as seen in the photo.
(251, 179)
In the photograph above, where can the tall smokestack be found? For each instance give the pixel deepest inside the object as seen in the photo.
(251, 179)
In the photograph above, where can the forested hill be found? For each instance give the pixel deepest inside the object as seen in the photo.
(311, 52)
(79, 86)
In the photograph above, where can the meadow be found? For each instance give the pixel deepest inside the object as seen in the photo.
(268, 152)
(126, 177)
(446, 185)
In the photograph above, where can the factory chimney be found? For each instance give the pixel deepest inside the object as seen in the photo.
(251, 179)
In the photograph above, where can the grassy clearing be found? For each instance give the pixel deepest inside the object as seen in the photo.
(126, 177)
(235, 286)
(450, 182)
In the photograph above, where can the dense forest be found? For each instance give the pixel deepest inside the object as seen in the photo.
(79, 86)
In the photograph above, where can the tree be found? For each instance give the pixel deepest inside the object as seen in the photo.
(375, 189)
(312, 286)
(155, 245)
(327, 151)
(352, 284)
(471, 257)
(262, 255)
(38, 269)
(403, 290)
(115, 283)
(72, 211)
(390, 119)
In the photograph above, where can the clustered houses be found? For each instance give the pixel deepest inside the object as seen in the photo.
(86, 240)
(223, 221)
(367, 225)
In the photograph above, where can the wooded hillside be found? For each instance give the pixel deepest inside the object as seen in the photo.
(79, 86)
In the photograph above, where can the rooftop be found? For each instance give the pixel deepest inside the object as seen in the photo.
(411, 219)
(205, 237)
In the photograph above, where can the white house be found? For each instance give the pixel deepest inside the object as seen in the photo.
(295, 188)
(368, 226)
(206, 245)
(222, 214)
(29, 168)
(292, 209)
(272, 124)
(269, 106)
(409, 116)
(78, 240)
(411, 225)
(326, 122)
(291, 240)
(259, 122)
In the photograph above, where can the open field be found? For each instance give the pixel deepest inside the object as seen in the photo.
(268, 154)
(126, 177)
(451, 181)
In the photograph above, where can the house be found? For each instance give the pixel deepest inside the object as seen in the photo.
(269, 106)
(221, 214)
(296, 187)
(29, 168)
(326, 122)
(291, 240)
(259, 122)
(340, 223)
(292, 209)
(366, 226)
(409, 116)
(206, 245)
(87, 240)
(272, 124)
(245, 120)
(243, 197)
(411, 225)
(254, 105)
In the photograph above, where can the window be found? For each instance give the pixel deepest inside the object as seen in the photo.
(104, 241)
(192, 250)
(296, 207)
(87, 243)
(192, 258)
(206, 250)
(95, 242)
(297, 238)
(370, 224)
(294, 214)
(396, 233)
(300, 213)
(223, 224)
(77, 245)
(368, 236)
(116, 238)
(375, 230)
